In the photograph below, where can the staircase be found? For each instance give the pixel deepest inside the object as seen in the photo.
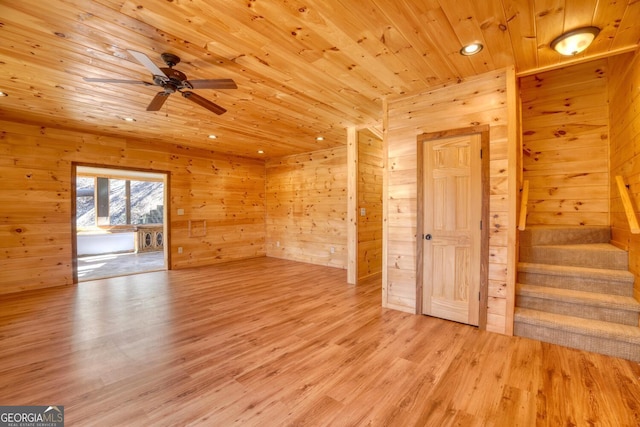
(154, 216)
(574, 289)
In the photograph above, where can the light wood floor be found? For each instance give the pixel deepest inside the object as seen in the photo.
(113, 265)
(270, 342)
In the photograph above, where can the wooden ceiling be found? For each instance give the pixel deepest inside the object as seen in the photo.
(304, 68)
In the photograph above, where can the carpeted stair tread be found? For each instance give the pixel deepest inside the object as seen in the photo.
(604, 247)
(595, 255)
(592, 299)
(553, 234)
(568, 270)
(577, 325)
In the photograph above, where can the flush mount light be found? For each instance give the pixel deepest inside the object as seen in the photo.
(129, 119)
(3, 93)
(320, 138)
(260, 151)
(471, 49)
(212, 136)
(575, 41)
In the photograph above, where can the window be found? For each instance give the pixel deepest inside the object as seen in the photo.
(108, 201)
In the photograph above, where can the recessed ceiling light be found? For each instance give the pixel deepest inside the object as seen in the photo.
(260, 151)
(471, 49)
(3, 93)
(320, 138)
(129, 119)
(575, 41)
(212, 136)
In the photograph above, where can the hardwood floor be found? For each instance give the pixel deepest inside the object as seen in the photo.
(122, 264)
(270, 342)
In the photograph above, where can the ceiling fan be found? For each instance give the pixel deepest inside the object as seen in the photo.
(172, 81)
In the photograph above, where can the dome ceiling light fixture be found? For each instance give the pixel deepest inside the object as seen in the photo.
(471, 49)
(575, 41)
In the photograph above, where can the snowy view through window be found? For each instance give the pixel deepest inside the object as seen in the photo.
(146, 202)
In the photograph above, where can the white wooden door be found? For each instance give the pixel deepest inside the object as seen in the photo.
(452, 214)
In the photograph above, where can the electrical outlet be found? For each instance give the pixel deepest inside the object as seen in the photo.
(180, 211)
(179, 249)
(363, 212)
(332, 250)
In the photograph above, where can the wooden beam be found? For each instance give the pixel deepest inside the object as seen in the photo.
(385, 201)
(513, 154)
(352, 205)
(575, 61)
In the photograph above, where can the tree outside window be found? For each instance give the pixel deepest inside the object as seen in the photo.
(105, 201)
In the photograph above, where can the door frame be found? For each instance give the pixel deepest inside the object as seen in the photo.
(483, 131)
(166, 234)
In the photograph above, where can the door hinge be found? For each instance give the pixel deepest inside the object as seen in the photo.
(480, 225)
(481, 153)
(478, 296)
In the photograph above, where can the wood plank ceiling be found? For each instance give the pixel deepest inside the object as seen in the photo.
(304, 68)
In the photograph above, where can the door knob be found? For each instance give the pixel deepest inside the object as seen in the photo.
(427, 237)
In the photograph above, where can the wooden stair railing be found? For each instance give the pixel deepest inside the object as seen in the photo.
(628, 206)
(524, 201)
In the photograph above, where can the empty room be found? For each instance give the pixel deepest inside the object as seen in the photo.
(323, 212)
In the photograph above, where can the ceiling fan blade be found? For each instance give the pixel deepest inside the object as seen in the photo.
(158, 101)
(213, 84)
(214, 108)
(132, 82)
(144, 60)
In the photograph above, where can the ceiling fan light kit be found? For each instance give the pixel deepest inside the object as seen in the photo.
(575, 41)
(172, 81)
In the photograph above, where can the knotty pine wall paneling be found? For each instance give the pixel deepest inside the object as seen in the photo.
(624, 96)
(481, 100)
(370, 169)
(35, 206)
(306, 213)
(565, 120)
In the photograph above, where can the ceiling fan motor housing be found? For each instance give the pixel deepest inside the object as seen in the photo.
(174, 79)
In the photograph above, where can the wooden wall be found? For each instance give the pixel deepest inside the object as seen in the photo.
(306, 212)
(624, 94)
(35, 201)
(565, 118)
(370, 168)
(482, 100)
